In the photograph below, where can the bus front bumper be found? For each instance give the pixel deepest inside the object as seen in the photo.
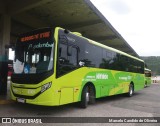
(46, 98)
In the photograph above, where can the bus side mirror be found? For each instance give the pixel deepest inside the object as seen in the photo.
(81, 63)
(61, 60)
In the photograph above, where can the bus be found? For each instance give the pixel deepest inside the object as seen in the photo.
(147, 77)
(53, 67)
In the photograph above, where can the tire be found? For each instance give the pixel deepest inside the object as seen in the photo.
(92, 99)
(84, 98)
(131, 91)
(88, 96)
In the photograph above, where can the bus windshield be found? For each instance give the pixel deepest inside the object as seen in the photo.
(147, 73)
(33, 57)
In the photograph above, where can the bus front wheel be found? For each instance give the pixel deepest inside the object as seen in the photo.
(88, 96)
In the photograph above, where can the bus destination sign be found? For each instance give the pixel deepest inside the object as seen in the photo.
(36, 36)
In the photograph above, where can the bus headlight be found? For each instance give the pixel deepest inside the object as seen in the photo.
(46, 86)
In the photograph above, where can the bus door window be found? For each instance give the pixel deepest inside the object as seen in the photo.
(68, 58)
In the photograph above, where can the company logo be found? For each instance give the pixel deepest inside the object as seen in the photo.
(125, 78)
(101, 76)
(39, 45)
(6, 120)
(21, 120)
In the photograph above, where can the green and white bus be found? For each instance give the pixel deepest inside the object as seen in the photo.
(55, 66)
(147, 77)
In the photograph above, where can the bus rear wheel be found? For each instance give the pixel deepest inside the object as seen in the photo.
(145, 85)
(131, 90)
(88, 96)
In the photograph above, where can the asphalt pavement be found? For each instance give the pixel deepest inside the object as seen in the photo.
(144, 103)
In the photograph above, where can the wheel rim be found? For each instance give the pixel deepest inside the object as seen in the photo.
(87, 97)
(131, 91)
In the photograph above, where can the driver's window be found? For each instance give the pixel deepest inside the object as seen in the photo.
(66, 63)
(63, 59)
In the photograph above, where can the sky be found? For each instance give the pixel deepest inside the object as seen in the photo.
(138, 21)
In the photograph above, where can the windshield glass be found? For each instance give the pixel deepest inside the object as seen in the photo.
(34, 56)
(147, 74)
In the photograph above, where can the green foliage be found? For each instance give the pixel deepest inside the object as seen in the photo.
(153, 63)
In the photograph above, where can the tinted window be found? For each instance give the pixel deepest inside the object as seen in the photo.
(67, 56)
(115, 61)
(93, 54)
(74, 50)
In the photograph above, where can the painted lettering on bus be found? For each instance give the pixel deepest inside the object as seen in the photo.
(101, 76)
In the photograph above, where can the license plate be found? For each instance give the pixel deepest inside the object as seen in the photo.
(21, 100)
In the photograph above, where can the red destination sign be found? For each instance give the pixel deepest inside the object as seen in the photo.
(36, 36)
